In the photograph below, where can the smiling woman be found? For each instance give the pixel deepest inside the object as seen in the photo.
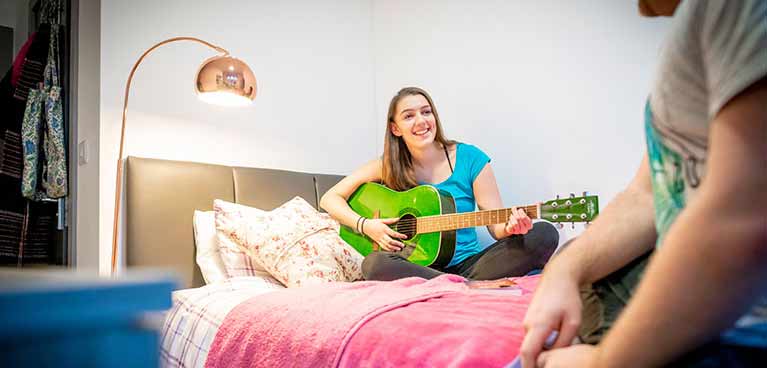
(416, 152)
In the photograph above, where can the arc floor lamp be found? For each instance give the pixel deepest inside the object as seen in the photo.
(221, 80)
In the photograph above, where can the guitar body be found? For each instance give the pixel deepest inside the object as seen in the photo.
(373, 200)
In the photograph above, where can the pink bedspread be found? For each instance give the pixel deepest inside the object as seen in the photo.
(408, 322)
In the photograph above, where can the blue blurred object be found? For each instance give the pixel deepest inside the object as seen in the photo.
(534, 272)
(65, 319)
(517, 362)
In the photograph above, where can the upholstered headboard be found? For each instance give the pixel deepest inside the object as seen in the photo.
(161, 197)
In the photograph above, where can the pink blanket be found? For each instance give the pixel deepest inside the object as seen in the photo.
(408, 322)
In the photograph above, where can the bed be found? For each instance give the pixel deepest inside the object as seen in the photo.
(257, 321)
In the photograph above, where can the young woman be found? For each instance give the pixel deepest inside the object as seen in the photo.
(416, 152)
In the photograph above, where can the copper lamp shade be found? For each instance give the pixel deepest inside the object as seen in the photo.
(225, 80)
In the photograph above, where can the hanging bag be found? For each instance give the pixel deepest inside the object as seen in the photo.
(43, 118)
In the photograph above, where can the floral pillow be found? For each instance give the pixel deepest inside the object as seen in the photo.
(295, 243)
(236, 262)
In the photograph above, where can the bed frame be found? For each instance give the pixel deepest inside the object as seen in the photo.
(161, 196)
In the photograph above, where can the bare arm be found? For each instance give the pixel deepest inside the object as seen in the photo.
(713, 261)
(334, 200)
(623, 231)
(488, 197)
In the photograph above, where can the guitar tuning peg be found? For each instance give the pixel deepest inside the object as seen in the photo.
(572, 225)
(557, 196)
(560, 226)
(572, 195)
(585, 193)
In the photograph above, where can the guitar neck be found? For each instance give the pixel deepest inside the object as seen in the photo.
(428, 224)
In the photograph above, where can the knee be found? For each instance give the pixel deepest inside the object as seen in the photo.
(548, 234)
(547, 238)
(373, 264)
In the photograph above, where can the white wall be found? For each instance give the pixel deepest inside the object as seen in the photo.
(552, 90)
(85, 105)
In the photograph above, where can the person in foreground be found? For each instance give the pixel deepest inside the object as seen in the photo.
(417, 152)
(699, 196)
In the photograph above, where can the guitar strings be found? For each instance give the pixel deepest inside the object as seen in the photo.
(411, 224)
(470, 215)
(461, 217)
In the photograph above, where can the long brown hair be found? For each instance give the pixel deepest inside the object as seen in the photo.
(398, 172)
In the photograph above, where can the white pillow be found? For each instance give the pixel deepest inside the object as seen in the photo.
(207, 254)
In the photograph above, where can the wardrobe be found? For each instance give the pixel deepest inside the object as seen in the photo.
(34, 135)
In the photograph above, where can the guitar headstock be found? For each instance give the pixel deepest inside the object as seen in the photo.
(571, 209)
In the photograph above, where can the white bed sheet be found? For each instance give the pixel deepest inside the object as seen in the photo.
(191, 324)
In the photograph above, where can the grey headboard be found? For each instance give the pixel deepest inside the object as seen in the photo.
(161, 197)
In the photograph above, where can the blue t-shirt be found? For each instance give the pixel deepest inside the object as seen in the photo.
(469, 161)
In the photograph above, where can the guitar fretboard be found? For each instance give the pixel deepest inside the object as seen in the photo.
(428, 224)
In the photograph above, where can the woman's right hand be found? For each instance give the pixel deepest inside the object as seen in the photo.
(379, 231)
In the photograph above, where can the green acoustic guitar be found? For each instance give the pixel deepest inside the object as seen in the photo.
(427, 216)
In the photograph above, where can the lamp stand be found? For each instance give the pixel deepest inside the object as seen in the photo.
(118, 181)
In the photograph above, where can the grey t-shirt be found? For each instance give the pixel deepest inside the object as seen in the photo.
(716, 49)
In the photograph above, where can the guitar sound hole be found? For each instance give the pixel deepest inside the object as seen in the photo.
(406, 225)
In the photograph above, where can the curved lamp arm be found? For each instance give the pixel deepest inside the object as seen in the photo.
(118, 187)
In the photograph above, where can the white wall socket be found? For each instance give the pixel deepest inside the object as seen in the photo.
(82, 152)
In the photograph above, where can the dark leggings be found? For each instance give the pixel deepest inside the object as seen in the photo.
(512, 256)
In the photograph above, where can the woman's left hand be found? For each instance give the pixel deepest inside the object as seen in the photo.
(519, 222)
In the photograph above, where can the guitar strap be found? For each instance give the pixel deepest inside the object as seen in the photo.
(448, 159)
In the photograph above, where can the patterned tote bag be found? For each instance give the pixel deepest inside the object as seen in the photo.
(43, 118)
